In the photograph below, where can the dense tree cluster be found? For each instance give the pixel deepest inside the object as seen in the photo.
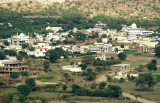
(55, 54)
(70, 18)
(110, 91)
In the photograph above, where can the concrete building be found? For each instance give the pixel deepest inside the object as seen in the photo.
(18, 40)
(101, 48)
(55, 29)
(134, 30)
(9, 66)
(72, 68)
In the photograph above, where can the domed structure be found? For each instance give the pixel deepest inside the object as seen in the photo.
(134, 26)
(22, 35)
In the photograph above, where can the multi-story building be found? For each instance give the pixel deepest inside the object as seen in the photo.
(18, 40)
(9, 66)
(102, 48)
(134, 30)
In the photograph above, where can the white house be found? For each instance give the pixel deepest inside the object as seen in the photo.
(72, 68)
(101, 48)
(55, 29)
(18, 40)
(133, 30)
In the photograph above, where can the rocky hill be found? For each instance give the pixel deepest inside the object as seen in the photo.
(116, 8)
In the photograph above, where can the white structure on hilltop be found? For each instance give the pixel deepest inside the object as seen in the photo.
(134, 30)
(55, 29)
(18, 40)
(72, 68)
(101, 25)
(55, 37)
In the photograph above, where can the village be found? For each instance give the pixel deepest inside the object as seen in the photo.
(94, 50)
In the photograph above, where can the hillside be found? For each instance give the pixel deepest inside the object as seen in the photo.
(115, 8)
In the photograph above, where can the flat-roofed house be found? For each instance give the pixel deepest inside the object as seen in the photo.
(72, 68)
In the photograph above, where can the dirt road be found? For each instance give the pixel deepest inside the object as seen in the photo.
(102, 78)
(125, 94)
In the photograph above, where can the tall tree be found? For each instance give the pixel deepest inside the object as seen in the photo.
(6, 43)
(24, 89)
(157, 51)
(55, 54)
(2, 55)
(102, 85)
(31, 83)
(122, 56)
(83, 66)
(64, 87)
(14, 75)
(46, 65)
(151, 67)
(144, 80)
(80, 36)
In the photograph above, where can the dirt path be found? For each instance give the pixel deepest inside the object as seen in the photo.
(125, 94)
(102, 78)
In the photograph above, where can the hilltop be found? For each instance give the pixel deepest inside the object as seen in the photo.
(116, 8)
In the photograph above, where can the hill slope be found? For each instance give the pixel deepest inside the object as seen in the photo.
(116, 8)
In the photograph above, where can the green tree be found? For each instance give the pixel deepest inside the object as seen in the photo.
(6, 43)
(99, 40)
(55, 54)
(93, 85)
(46, 65)
(2, 55)
(64, 87)
(24, 74)
(109, 79)
(113, 91)
(10, 52)
(154, 61)
(14, 75)
(144, 80)
(122, 46)
(141, 67)
(98, 69)
(21, 98)
(75, 88)
(24, 46)
(80, 36)
(122, 56)
(31, 48)
(66, 75)
(121, 80)
(24, 89)
(31, 83)
(91, 76)
(151, 67)
(83, 66)
(102, 85)
(157, 51)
